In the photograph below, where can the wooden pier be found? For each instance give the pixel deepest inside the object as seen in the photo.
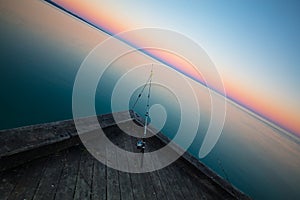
(48, 161)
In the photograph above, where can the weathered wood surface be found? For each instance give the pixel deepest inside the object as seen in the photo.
(20, 145)
(74, 174)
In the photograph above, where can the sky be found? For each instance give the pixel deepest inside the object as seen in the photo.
(254, 44)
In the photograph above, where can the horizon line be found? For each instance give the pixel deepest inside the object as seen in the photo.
(229, 98)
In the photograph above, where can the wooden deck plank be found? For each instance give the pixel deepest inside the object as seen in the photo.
(113, 189)
(167, 180)
(8, 181)
(154, 175)
(166, 185)
(181, 181)
(49, 182)
(124, 177)
(207, 188)
(147, 183)
(84, 177)
(187, 179)
(66, 186)
(27, 185)
(172, 170)
(157, 185)
(173, 183)
(137, 189)
(144, 180)
(99, 181)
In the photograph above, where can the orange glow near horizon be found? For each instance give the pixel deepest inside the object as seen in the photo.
(175, 60)
(270, 110)
(96, 15)
(257, 102)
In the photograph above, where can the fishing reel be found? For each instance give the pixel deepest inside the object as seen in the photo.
(140, 144)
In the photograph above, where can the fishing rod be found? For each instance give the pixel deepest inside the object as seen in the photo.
(141, 143)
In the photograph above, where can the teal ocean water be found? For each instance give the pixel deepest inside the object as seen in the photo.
(36, 82)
